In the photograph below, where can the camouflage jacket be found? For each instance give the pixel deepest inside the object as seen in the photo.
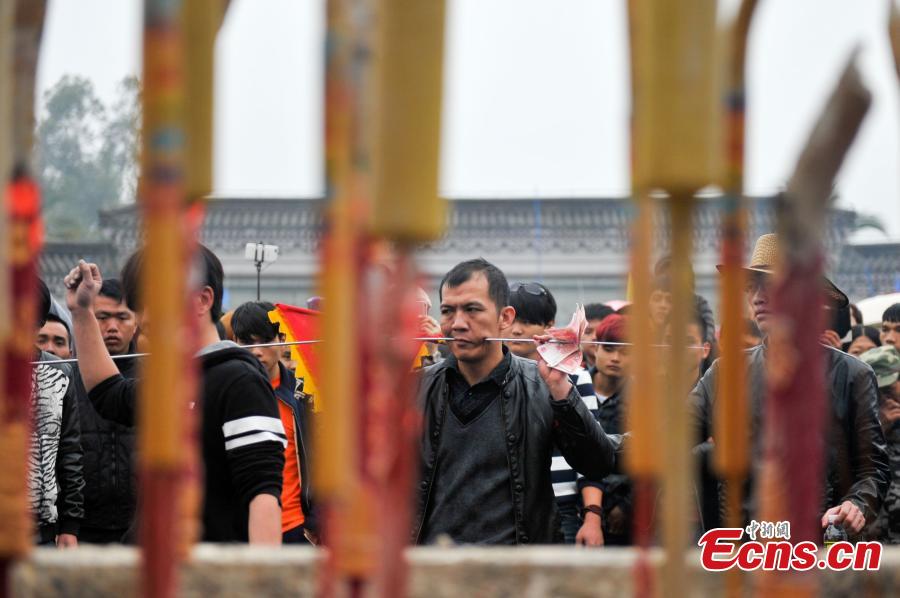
(886, 526)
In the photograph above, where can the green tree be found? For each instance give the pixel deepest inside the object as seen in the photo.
(86, 154)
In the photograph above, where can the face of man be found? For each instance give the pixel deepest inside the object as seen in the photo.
(890, 334)
(697, 349)
(117, 324)
(613, 361)
(287, 356)
(54, 338)
(860, 345)
(267, 356)
(660, 306)
(520, 329)
(470, 315)
(759, 300)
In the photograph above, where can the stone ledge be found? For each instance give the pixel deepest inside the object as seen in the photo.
(434, 573)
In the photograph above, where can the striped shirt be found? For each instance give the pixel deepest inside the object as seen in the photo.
(561, 473)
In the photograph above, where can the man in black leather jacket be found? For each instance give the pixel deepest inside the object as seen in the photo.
(490, 423)
(857, 473)
(110, 474)
(55, 478)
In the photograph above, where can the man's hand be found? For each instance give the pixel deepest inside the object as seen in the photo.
(831, 338)
(890, 413)
(82, 286)
(557, 381)
(848, 515)
(591, 532)
(428, 326)
(64, 541)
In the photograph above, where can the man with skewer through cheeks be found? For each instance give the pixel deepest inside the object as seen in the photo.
(490, 422)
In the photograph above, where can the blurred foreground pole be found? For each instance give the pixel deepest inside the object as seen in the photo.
(21, 28)
(731, 457)
(176, 175)
(793, 458)
(644, 405)
(675, 144)
(894, 33)
(383, 88)
(350, 518)
(163, 395)
(407, 211)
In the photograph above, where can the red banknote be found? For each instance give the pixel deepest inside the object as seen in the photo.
(564, 351)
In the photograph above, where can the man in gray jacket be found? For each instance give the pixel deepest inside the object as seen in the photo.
(491, 420)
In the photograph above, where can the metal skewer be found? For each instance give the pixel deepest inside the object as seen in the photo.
(552, 342)
(133, 355)
(435, 339)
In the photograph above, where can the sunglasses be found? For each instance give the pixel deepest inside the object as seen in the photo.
(532, 288)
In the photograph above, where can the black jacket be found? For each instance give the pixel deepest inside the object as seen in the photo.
(287, 394)
(56, 481)
(857, 464)
(110, 474)
(242, 439)
(534, 422)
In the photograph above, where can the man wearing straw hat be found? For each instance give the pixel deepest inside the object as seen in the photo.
(857, 466)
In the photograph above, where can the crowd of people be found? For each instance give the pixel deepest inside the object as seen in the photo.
(512, 451)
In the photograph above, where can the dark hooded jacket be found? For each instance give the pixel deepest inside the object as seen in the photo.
(110, 492)
(242, 439)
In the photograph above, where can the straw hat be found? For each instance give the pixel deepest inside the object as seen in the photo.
(766, 254)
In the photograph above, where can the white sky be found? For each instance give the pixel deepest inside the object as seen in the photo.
(536, 93)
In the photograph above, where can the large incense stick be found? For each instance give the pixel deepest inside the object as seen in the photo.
(731, 457)
(21, 28)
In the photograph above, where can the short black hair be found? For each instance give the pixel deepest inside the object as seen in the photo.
(697, 318)
(112, 289)
(213, 277)
(663, 271)
(52, 317)
(597, 311)
(533, 308)
(860, 330)
(498, 288)
(250, 323)
(661, 282)
(43, 302)
(892, 314)
(856, 313)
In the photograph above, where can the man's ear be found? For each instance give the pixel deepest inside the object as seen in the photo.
(507, 316)
(205, 298)
(706, 349)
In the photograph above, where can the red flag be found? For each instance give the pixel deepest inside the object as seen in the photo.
(301, 324)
